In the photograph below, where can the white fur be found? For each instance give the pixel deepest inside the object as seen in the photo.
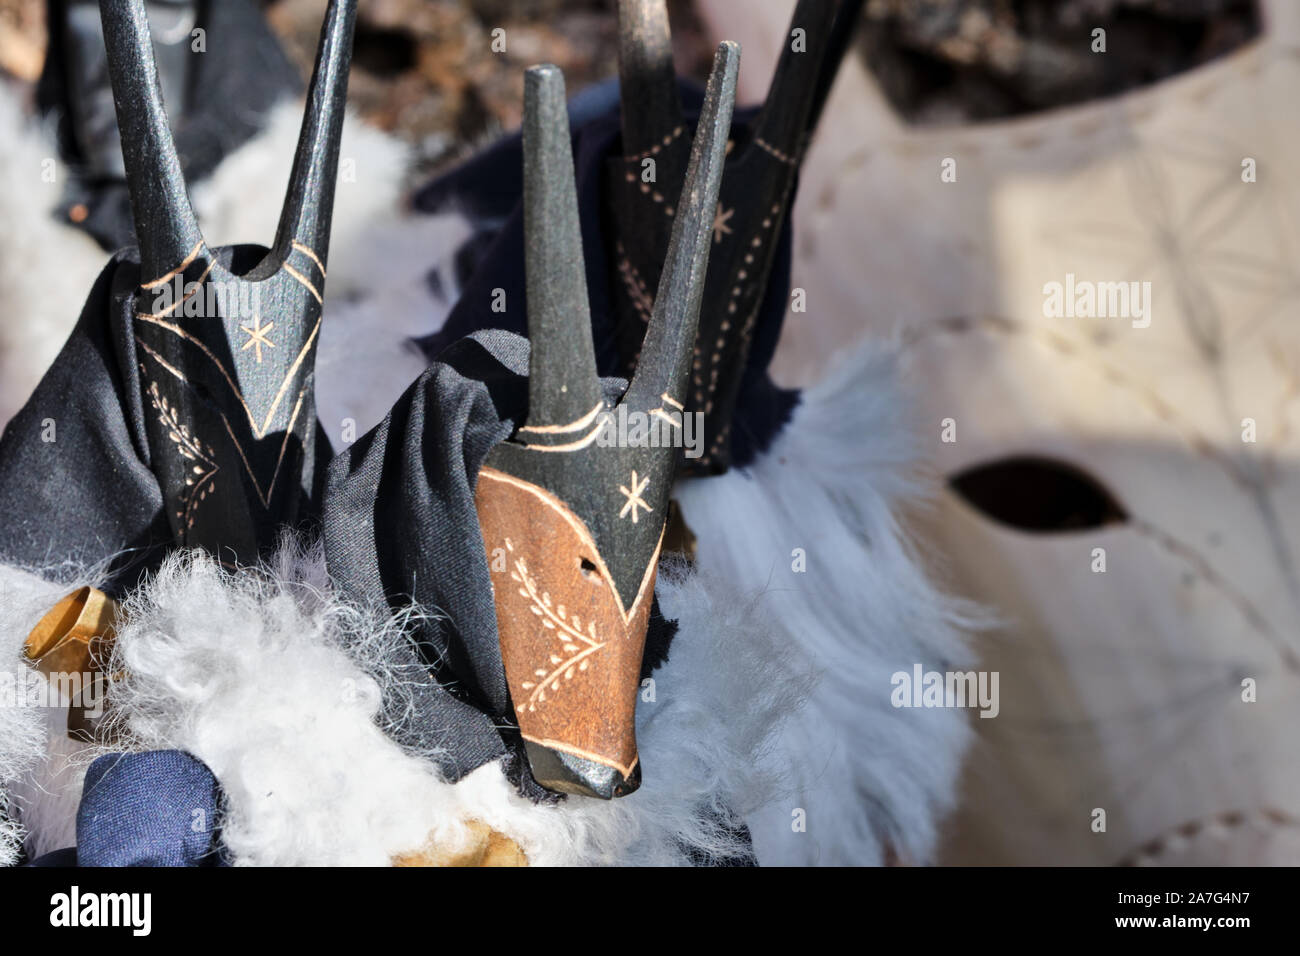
(46, 268)
(366, 359)
(249, 674)
(47, 798)
(870, 778)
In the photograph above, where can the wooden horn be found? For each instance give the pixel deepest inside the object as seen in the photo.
(573, 524)
(166, 228)
(309, 204)
(801, 76)
(670, 338)
(562, 382)
(651, 106)
(226, 338)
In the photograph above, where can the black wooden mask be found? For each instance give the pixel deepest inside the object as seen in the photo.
(572, 502)
(226, 338)
(761, 167)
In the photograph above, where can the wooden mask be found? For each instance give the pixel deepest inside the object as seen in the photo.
(1124, 489)
(226, 338)
(761, 166)
(578, 518)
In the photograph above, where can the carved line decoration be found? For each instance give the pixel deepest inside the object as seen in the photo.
(580, 528)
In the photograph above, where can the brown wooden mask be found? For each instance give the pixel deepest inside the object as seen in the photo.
(226, 338)
(574, 503)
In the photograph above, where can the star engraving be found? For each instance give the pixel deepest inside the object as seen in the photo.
(257, 336)
(720, 227)
(634, 499)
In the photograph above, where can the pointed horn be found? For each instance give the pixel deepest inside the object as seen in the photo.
(166, 229)
(562, 383)
(309, 204)
(670, 339)
(804, 72)
(651, 106)
(845, 29)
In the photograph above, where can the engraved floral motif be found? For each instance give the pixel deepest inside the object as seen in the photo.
(199, 483)
(576, 646)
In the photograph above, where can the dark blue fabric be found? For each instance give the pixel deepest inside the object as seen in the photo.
(149, 809)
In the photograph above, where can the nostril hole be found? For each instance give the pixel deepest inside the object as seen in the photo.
(588, 568)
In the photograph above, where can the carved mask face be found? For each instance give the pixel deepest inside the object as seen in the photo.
(566, 637)
(226, 338)
(1108, 498)
(580, 517)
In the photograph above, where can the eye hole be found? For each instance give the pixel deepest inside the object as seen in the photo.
(588, 568)
(1040, 495)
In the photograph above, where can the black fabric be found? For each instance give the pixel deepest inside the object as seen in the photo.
(489, 189)
(400, 529)
(75, 477)
(88, 495)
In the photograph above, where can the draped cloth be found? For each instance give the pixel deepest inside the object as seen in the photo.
(76, 485)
